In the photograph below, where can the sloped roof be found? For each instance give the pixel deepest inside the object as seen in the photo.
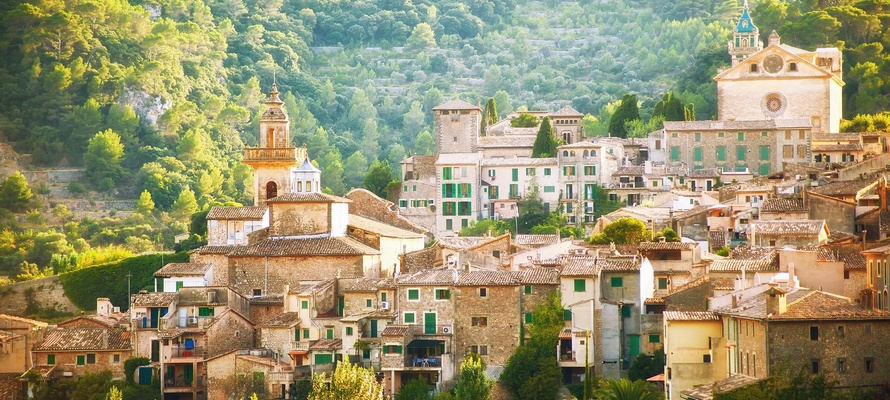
(787, 227)
(237, 213)
(183, 269)
(706, 391)
(306, 166)
(737, 125)
(459, 243)
(286, 319)
(441, 276)
(629, 171)
(456, 105)
(733, 265)
(485, 278)
(690, 316)
(315, 197)
(153, 299)
(326, 345)
(395, 330)
(624, 264)
(538, 276)
(703, 173)
(851, 256)
(584, 265)
(85, 339)
(567, 111)
(778, 205)
(843, 188)
(110, 320)
(536, 240)
(370, 285)
(652, 246)
(837, 147)
(216, 249)
(805, 304)
(383, 229)
(325, 246)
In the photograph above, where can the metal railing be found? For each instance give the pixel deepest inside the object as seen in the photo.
(278, 153)
(181, 351)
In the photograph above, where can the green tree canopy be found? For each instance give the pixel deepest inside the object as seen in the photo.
(472, 382)
(103, 157)
(646, 366)
(349, 381)
(545, 142)
(524, 120)
(626, 230)
(15, 195)
(184, 206)
(627, 111)
(532, 371)
(379, 177)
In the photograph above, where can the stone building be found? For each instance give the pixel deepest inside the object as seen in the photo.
(232, 225)
(238, 372)
(788, 232)
(17, 337)
(75, 351)
(692, 344)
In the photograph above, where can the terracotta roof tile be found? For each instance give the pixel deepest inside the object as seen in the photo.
(183, 269)
(703, 173)
(430, 277)
(22, 320)
(10, 385)
(733, 265)
(851, 256)
(85, 339)
(213, 249)
(690, 316)
(567, 111)
(367, 224)
(653, 301)
(485, 278)
(308, 198)
(538, 276)
(395, 330)
(579, 266)
(706, 391)
(326, 345)
(153, 299)
(456, 105)
(805, 304)
(843, 188)
(237, 213)
(267, 300)
(286, 319)
(745, 252)
(652, 246)
(536, 240)
(837, 147)
(787, 227)
(629, 171)
(623, 264)
(691, 284)
(459, 243)
(777, 205)
(328, 246)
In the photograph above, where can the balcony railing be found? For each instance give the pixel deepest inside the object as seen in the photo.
(422, 362)
(273, 154)
(180, 383)
(181, 351)
(299, 345)
(281, 376)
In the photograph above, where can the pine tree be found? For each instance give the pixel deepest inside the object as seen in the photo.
(103, 156)
(349, 381)
(145, 205)
(15, 195)
(184, 206)
(628, 110)
(473, 384)
(545, 143)
(378, 178)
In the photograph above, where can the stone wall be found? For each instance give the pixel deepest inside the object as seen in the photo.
(752, 347)
(692, 299)
(219, 264)
(838, 214)
(228, 332)
(299, 219)
(275, 338)
(368, 205)
(249, 273)
(220, 373)
(48, 293)
(501, 308)
(67, 361)
(262, 312)
(854, 282)
(420, 260)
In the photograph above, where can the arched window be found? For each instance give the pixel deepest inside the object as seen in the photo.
(271, 190)
(565, 153)
(593, 153)
(308, 186)
(270, 138)
(572, 153)
(586, 153)
(299, 186)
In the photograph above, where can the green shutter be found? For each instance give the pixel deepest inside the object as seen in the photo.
(626, 310)
(696, 154)
(160, 284)
(515, 174)
(324, 359)
(740, 153)
(330, 333)
(409, 318)
(764, 153)
(764, 169)
(429, 323)
(528, 289)
(50, 359)
(721, 153)
(81, 359)
(580, 285)
(528, 318)
(675, 153)
(634, 345)
(469, 190)
(741, 136)
(348, 331)
(179, 285)
(305, 334)
(304, 304)
(566, 315)
(654, 338)
(443, 190)
(374, 328)
(413, 294)
(617, 281)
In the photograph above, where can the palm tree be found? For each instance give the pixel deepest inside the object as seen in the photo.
(628, 390)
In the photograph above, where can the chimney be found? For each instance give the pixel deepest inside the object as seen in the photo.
(791, 275)
(103, 306)
(735, 301)
(774, 39)
(662, 239)
(775, 300)
(647, 167)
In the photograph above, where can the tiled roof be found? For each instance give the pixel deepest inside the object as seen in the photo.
(733, 265)
(183, 269)
(536, 240)
(430, 277)
(842, 188)
(651, 246)
(653, 301)
(269, 300)
(325, 246)
(629, 171)
(392, 330)
(287, 320)
(805, 304)
(44, 370)
(736, 125)
(153, 299)
(692, 211)
(837, 147)
(691, 284)
(787, 227)
(703, 173)
(538, 276)
(579, 266)
(835, 137)
(247, 212)
(216, 249)
(375, 314)
(85, 339)
(308, 288)
(706, 391)
(326, 345)
(10, 385)
(745, 252)
(459, 243)
(111, 320)
(567, 111)
(370, 225)
(370, 285)
(506, 141)
(456, 105)
(268, 361)
(22, 320)
(851, 256)
(624, 264)
(308, 198)
(783, 205)
(484, 278)
(690, 316)
(517, 161)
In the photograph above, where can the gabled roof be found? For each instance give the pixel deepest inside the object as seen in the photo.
(486, 278)
(805, 304)
(370, 285)
(622, 264)
(691, 316)
(153, 299)
(455, 105)
(538, 276)
(237, 213)
(286, 320)
(583, 265)
(656, 246)
(441, 276)
(788, 227)
(110, 320)
(851, 256)
(182, 269)
(732, 265)
(324, 246)
(314, 197)
(85, 339)
(463, 242)
(843, 188)
(703, 173)
(567, 111)
(326, 345)
(536, 240)
(216, 249)
(706, 391)
(383, 229)
(777, 205)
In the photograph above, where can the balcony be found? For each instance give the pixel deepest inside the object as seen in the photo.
(183, 354)
(413, 362)
(299, 345)
(280, 376)
(275, 154)
(182, 385)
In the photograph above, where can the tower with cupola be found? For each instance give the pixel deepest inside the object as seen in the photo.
(745, 38)
(276, 156)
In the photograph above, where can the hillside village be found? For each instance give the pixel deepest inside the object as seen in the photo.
(302, 280)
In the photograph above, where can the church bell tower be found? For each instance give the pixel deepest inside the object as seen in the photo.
(745, 38)
(273, 159)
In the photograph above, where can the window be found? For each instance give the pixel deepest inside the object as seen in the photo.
(617, 281)
(465, 208)
(449, 224)
(91, 358)
(413, 294)
(514, 190)
(464, 190)
(753, 67)
(392, 349)
(50, 359)
(403, 203)
(368, 302)
(662, 283)
(580, 285)
(481, 350)
(446, 173)
(329, 333)
(675, 153)
(493, 193)
(81, 359)
(443, 294)
(448, 208)
(566, 315)
(515, 173)
(348, 331)
(568, 171)
(869, 364)
(528, 289)
(590, 170)
(741, 136)
(496, 253)
(654, 338)
(654, 183)
(706, 358)
(529, 172)
(764, 134)
(792, 67)
(840, 331)
(721, 153)
(696, 154)
(546, 171)
(740, 153)
(257, 292)
(801, 151)
(675, 135)
(626, 311)
(528, 318)
(841, 365)
(814, 333)
(483, 292)
(409, 317)
(719, 134)
(814, 366)
(479, 321)
(764, 153)
(304, 304)
(698, 136)
(549, 189)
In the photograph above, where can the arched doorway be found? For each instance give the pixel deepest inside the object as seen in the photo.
(271, 190)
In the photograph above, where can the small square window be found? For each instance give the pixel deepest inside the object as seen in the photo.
(617, 281)
(413, 294)
(580, 285)
(443, 294)
(81, 359)
(305, 334)
(528, 289)
(654, 338)
(706, 358)
(116, 358)
(257, 292)
(368, 302)
(566, 315)
(91, 358)
(479, 321)
(50, 359)
(304, 304)
(528, 318)
(409, 317)
(348, 331)
(483, 292)
(662, 283)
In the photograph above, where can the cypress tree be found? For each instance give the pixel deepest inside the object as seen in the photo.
(627, 111)
(545, 143)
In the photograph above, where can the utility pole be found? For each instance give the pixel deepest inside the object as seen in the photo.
(129, 300)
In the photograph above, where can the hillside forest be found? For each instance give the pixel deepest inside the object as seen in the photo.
(156, 99)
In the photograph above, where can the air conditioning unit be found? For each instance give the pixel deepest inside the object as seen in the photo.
(193, 320)
(446, 329)
(384, 305)
(68, 373)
